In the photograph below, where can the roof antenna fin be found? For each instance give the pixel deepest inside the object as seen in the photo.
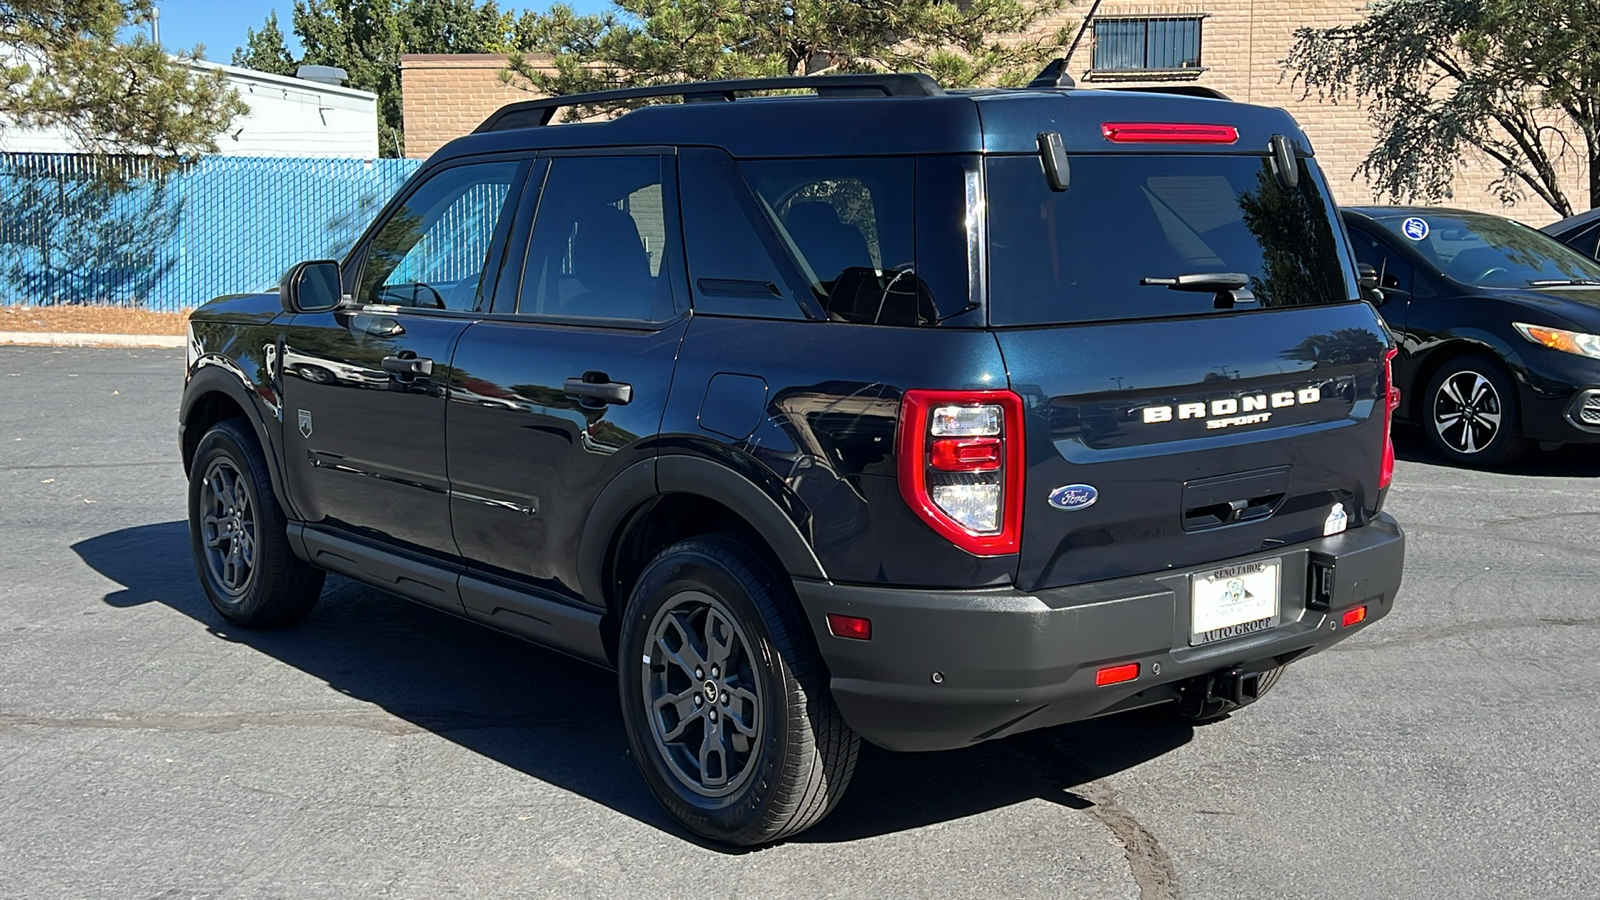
(1054, 75)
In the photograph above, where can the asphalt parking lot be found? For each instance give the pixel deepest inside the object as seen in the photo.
(147, 749)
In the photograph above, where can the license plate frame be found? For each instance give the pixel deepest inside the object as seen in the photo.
(1233, 601)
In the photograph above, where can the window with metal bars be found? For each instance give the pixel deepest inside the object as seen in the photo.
(1151, 44)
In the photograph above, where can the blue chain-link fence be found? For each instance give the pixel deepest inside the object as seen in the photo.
(223, 225)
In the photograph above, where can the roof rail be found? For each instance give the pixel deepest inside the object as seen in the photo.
(538, 113)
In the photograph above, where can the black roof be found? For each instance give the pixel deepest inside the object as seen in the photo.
(910, 114)
(1572, 222)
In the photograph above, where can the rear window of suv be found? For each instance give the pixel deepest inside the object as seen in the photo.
(1078, 255)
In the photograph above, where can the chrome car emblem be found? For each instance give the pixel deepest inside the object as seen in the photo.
(1073, 497)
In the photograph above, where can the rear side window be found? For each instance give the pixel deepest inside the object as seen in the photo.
(850, 225)
(598, 248)
(1079, 255)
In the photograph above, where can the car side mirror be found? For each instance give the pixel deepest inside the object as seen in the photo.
(311, 287)
(1367, 280)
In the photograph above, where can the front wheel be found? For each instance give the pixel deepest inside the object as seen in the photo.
(1472, 414)
(725, 699)
(238, 533)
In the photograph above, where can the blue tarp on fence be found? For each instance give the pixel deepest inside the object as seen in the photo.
(224, 225)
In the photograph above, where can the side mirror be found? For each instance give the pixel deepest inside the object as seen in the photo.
(311, 287)
(1367, 279)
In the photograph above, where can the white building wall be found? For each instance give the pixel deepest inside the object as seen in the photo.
(287, 117)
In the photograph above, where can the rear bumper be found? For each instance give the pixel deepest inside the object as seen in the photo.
(1009, 661)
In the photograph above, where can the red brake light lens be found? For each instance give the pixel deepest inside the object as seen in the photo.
(960, 457)
(1354, 617)
(853, 627)
(1168, 133)
(1391, 396)
(1116, 674)
(966, 454)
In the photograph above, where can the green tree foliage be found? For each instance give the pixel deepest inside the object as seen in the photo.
(367, 37)
(1518, 80)
(63, 65)
(642, 42)
(265, 50)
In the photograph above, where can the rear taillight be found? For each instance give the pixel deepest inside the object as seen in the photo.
(1391, 396)
(960, 457)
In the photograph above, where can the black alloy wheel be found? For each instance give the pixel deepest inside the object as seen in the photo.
(725, 698)
(239, 534)
(1471, 413)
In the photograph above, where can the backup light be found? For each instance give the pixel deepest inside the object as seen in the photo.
(1168, 133)
(1116, 674)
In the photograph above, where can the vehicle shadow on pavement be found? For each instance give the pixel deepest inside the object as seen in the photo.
(1571, 461)
(556, 719)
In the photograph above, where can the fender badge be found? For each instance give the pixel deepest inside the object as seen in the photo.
(305, 422)
(1074, 497)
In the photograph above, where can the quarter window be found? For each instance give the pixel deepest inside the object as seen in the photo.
(432, 251)
(1147, 44)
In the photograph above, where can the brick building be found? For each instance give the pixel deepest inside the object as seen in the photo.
(1234, 46)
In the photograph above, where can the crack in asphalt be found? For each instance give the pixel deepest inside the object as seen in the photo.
(1417, 637)
(1153, 871)
(1431, 528)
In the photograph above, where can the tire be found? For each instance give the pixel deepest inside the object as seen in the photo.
(1471, 413)
(782, 755)
(238, 534)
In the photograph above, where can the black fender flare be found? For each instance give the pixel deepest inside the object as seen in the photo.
(696, 475)
(652, 478)
(220, 377)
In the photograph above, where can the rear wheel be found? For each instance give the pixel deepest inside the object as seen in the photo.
(239, 537)
(1472, 414)
(724, 697)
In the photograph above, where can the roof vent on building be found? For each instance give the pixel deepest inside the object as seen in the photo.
(323, 75)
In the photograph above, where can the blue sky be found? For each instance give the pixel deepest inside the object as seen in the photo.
(220, 24)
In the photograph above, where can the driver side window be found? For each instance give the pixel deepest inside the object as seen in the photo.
(432, 251)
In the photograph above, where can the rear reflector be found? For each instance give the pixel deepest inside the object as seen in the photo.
(1116, 674)
(853, 627)
(1168, 133)
(1354, 616)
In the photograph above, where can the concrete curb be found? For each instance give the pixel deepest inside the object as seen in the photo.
(69, 339)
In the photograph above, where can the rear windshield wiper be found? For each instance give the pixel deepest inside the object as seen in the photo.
(1202, 282)
(1228, 287)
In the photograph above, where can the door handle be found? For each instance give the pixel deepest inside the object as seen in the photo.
(408, 366)
(595, 386)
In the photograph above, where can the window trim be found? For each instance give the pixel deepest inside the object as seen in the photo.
(354, 266)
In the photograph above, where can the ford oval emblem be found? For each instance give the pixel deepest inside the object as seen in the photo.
(1074, 497)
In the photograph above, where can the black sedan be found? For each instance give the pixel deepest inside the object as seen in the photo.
(1498, 326)
(1580, 232)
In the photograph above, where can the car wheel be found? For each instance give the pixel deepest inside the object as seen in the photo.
(725, 698)
(239, 536)
(1471, 413)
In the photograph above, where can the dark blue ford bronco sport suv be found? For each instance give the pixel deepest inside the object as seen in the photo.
(879, 411)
